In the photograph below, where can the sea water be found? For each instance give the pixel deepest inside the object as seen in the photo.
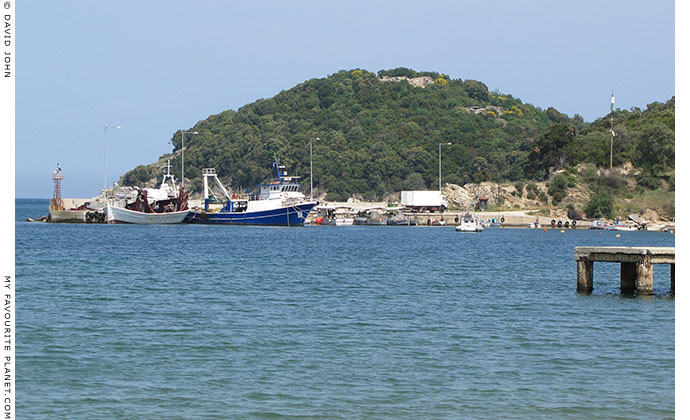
(327, 322)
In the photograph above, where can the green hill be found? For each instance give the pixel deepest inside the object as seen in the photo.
(379, 134)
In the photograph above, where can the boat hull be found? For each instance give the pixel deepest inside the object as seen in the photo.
(469, 229)
(120, 215)
(282, 216)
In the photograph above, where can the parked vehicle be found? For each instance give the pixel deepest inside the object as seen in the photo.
(423, 201)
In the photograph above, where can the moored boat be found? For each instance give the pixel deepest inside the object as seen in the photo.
(469, 222)
(277, 204)
(599, 225)
(124, 215)
(617, 225)
(166, 204)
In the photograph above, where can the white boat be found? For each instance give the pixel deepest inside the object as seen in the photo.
(469, 222)
(599, 225)
(344, 221)
(617, 225)
(168, 205)
(123, 215)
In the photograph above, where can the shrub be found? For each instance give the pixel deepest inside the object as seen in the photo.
(519, 186)
(613, 181)
(558, 188)
(543, 197)
(649, 181)
(589, 174)
(600, 204)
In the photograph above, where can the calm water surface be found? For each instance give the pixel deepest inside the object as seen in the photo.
(206, 322)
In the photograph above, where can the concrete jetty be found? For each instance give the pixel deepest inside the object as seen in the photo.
(505, 218)
(637, 266)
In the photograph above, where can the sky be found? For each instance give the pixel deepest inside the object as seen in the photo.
(156, 67)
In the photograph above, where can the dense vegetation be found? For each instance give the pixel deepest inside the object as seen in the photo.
(377, 137)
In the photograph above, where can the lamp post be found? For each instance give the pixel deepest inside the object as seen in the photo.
(311, 170)
(105, 136)
(190, 132)
(439, 164)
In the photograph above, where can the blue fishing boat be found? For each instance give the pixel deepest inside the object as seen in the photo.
(277, 204)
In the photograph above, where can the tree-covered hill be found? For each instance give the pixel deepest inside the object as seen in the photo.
(379, 134)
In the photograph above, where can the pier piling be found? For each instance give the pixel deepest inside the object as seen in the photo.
(585, 276)
(637, 266)
(628, 277)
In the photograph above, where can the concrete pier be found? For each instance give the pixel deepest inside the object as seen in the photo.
(637, 266)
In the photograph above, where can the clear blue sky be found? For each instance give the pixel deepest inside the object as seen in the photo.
(155, 67)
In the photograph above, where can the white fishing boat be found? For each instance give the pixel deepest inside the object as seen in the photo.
(469, 222)
(167, 205)
(123, 215)
(619, 226)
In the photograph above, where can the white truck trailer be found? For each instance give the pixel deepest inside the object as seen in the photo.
(424, 201)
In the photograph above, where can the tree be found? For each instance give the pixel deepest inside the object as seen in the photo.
(655, 149)
(558, 188)
(600, 204)
(138, 176)
(551, 149)
(414, 182)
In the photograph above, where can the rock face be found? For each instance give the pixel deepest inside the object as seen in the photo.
(423, 81)
(461, 197)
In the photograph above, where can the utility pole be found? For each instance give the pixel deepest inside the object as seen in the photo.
(613, 134)
(439, 163)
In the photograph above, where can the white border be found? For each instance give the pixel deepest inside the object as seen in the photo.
(8, 74)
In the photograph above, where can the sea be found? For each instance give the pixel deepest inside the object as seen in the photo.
(331, 322)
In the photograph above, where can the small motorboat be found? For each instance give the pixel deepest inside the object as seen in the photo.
(469, 222)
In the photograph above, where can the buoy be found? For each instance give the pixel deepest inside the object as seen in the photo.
(546, 230)
(562, 231)
(618, 236)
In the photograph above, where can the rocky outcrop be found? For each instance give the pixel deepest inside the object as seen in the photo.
(505, 196)
(422, 82)
(484, 109)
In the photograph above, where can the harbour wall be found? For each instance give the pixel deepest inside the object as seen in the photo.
(510, 219)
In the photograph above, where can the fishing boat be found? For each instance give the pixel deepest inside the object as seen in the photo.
(166, 204)
(469, 222)
(277, 204)
(617, 225)
(599, 225)
(373, 217)
(396, 217)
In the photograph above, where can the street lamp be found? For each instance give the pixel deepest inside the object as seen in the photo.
(190, 132)
(311, 171)
(439, 164)
(105, 136)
